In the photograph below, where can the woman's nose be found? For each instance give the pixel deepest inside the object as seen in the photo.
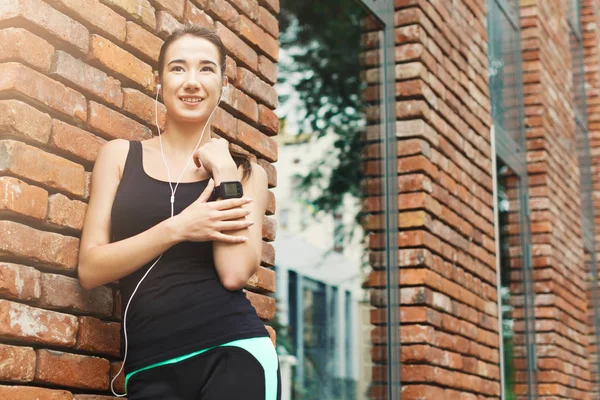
(192, 81)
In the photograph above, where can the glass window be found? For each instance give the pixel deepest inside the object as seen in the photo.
(511, 282)
(504, 67)
(515, 288)
(337, 148)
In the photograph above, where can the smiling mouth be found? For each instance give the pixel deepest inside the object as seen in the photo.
(191, 100)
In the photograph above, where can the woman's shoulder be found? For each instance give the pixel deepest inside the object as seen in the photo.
(113, 153)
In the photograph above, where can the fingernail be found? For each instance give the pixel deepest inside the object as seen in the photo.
(248, 199)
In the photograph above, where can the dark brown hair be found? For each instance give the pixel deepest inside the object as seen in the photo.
(240, 159)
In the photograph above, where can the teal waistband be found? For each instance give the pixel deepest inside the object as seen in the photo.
(260, 347)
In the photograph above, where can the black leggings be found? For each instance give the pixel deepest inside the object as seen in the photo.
(223, 373)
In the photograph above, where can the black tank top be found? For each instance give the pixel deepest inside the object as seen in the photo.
(181, 306)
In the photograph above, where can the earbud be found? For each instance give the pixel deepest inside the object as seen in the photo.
(158, 87)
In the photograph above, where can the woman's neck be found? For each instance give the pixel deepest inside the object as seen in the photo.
(180, 139)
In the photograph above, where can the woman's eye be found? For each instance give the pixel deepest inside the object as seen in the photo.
(177, 68)
(207, 69)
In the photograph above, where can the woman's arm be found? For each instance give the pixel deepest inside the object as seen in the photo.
(100, 261)
(236, 263)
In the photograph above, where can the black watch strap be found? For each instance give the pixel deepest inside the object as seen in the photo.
(228, 190)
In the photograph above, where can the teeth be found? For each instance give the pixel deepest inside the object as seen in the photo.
(191, 99)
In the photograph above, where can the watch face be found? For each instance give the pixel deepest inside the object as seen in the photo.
(230, 189)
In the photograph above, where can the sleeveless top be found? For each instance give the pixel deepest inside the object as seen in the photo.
(181, 306)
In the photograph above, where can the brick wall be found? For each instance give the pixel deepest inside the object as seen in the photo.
(74, 74)
(447, 264)
(558, 259)
(590, 21)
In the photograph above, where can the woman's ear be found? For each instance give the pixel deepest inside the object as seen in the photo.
(157, 82)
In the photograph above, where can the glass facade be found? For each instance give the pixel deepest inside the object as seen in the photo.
(514, 276)
(336, 124)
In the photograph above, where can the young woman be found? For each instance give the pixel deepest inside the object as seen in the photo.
(183, 249)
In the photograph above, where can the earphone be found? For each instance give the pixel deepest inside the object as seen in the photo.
(172, 201)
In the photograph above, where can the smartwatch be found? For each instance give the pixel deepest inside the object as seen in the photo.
(228, 190)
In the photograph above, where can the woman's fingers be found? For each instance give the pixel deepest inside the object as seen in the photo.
(221, 237)
(234, 213)
(231, 203)
(225, 226)
(205, 195)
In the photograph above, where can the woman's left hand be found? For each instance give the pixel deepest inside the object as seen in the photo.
(214, 155)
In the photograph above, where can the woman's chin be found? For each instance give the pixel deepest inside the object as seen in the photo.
(187, 118)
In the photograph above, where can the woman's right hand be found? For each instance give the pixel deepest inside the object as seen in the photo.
(202, 221)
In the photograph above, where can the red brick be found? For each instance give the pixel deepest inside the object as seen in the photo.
(22, 322)
(248, 7)
(48, 169)
(267, 69)
(88, 182)
(264, 305)
(256, 88)
(271, 208)
(254, 140)
(224, 12)
(230, 69)
(65, 293)
(194, 15)
(166, 24)
(19, 282)
(17, 44)
(119, 383)
(86, 78)
(269, 229)
(112, 124)
(263, 280)
(75, 141)
(24, 80)
(174, 7)
(143, 42)
(29, 393)
(65, 212)
(253, 34)
(272, 334)
(97, 336)
(225, 124)
(21, 198)
(20, 119)
(123, 64)
(268, 120)
(242, 104)
(269, 22)
(18, 363)
(271, 172)
(272, 5)
(96, 15)
(54, 23)
(236, 47)
(47, 248)
(144, 107)
(268, 251)
(71, 370)
(139, 11)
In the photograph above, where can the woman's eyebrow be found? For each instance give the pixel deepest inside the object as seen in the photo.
(180, 61)
(207, 62)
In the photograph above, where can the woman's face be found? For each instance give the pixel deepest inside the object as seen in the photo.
(191, 79)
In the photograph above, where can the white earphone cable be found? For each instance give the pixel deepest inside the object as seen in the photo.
(172, 200)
